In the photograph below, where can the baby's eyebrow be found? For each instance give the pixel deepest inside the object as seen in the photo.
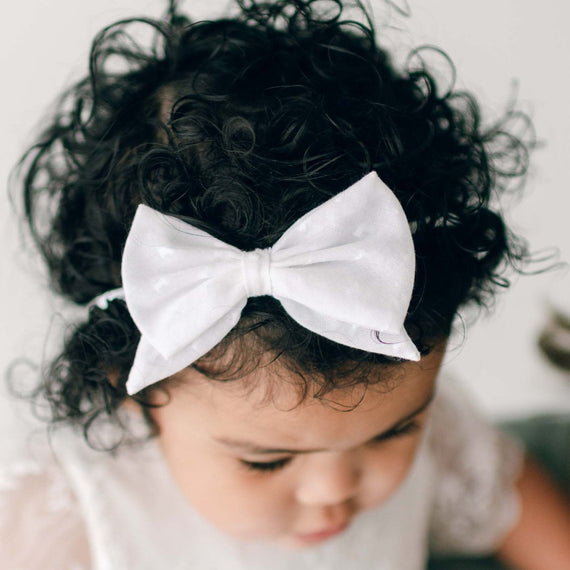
(256, 449)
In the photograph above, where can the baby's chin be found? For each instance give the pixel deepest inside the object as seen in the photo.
(311, 540)
(295, 540)
(287, 541)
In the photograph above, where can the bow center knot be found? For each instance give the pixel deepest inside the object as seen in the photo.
(256, 268)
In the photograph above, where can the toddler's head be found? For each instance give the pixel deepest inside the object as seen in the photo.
(240, 127)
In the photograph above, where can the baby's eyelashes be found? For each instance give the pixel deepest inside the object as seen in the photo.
(278, 464)
(400, 431)
(266, 466)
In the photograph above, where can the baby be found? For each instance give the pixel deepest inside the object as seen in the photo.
(274, 229)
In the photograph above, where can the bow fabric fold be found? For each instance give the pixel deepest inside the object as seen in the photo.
(345, 270)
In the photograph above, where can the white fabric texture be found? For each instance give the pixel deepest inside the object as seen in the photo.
(344, 270)
(41, 523)
(82, 509)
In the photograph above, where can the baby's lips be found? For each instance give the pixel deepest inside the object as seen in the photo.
(323, 534)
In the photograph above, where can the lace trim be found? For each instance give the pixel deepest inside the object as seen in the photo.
(40, 522)
(476, 503)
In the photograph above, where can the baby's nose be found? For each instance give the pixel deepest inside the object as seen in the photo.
(328, 479)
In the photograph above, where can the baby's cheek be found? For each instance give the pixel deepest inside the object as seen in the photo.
(244, 504)
(385, 471)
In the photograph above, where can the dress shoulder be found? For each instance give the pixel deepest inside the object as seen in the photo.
(41, 524)
(476, 502)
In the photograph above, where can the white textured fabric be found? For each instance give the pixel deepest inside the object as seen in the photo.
(476, 465)
(91, 510)
(41, 523)
(345, 270)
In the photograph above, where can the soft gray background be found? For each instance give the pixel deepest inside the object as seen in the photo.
(43, 45)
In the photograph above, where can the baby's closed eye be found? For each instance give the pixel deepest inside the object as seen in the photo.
(266, 466)
(399, 431)
(278, 464)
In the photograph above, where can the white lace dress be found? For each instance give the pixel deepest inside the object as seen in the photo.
(72, 508)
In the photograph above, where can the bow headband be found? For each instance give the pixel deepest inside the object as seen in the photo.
(344, 270)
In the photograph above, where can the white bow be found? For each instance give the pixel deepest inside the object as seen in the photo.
(344, 270)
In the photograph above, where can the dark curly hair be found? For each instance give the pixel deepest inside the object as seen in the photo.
(240, 126)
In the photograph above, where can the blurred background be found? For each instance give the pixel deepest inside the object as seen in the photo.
(502, 49)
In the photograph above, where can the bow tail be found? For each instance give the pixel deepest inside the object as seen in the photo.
(396, 343)
(150, 366)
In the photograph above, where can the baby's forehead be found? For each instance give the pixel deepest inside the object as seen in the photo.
(270, 412)
(283, 387)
